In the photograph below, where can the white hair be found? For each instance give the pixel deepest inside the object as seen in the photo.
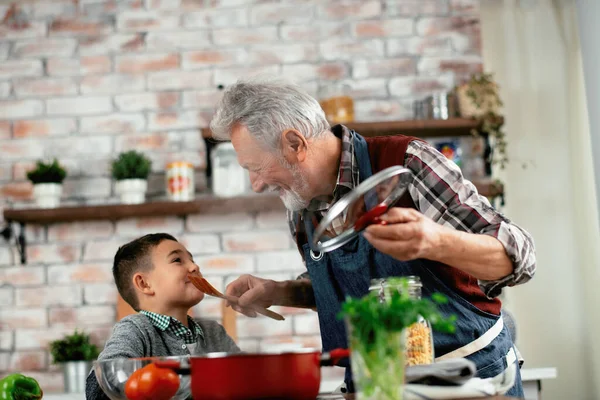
(267, 107)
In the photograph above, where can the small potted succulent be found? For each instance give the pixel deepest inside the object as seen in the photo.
(75, 353)
(130, 171)
(47, 179)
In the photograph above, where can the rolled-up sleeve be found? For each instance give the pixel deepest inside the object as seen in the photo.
(442, 193)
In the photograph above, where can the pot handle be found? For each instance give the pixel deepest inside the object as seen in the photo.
(334, 357)
(173, 365)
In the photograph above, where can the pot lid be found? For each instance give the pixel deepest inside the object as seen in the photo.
(360, 208)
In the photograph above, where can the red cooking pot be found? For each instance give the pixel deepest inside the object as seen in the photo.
(292, 374)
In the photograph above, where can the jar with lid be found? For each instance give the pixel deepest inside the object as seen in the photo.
(337, 103)
(228, 177)
(419, 336)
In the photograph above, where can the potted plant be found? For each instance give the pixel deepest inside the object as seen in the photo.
(75, 353)
(130, 171)
(47, 179)
(377, 332)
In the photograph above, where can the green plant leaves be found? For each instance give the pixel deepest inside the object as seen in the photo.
(51, 172)
(131, 165)
(75, 347)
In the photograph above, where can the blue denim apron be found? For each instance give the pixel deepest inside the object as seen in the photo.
(348, 270)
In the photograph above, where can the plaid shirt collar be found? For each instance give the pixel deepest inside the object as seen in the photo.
(348, 174)
(171, 325)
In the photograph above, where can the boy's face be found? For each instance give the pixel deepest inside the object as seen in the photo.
(168, 279)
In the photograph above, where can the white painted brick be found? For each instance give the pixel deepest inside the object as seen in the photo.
(320, 30)
(39, 48)
(79, 66)
(383, 110)
(53, 253)
(7, 296)
(261, 327)
(104, 250)
(48, 296)
(5, 361)
(23, 318)
(80, 231)
(87, 188)
(331, 71)
(201, 244)
(139, 63)
(88, 105)
(4, 50)
(307, 324)
(178, 80)
(256, 241)
(385, 28)
(20, 68)
(435, 46)
(206, 99)
(272, 219)
(147, 101)
(142, 21)
(33, 339)
(161, 141)
(23, 275)
(181, 40)
(236, 221)
(213, 57)
(110, 44)
(367, 88)
(390, 67)
(228, 76)
(86, 316)
(272, 14)
(216, 17)
(5, 256)
(36, 29)
(100, 293)
(249, 345)
(134, 227)
(44, 87)
(17, 150)
(209, 307)
(109, 84)
(175, 120)
(420, 85)
(465, 64)
(53, 8)
(6, 340)
(113, 124)
(349, 9)
(80, 273)
(289, 260)
(10, 109)
(244, 36)
(226, 264)
(5, 90)
(162, 4)
(283, 54)
(348, 49)
(82, 146)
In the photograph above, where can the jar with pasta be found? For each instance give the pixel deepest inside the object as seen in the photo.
(419, 336)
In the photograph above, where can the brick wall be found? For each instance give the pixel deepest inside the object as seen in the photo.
(83, 80)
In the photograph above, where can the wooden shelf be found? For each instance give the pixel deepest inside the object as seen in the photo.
(205, 204)
(418, 128)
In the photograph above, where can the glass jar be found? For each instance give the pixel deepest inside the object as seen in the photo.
(228, 177)
(179, 178)
(419, 336)
(337, 104)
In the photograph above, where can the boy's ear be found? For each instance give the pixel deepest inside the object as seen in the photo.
(140, 283)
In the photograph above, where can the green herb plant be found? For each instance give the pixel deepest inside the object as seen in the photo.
(75, 347)
(377, 331)
(131, 165)
(51, 172)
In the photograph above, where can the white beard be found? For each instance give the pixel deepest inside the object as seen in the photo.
(291, 198)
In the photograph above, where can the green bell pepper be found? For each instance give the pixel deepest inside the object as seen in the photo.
(19, 387)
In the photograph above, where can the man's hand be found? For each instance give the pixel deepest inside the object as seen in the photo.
(252, 290)
(408, 234)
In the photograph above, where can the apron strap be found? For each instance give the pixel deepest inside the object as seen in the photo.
(477, 344)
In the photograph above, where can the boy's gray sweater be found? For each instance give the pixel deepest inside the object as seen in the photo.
(135, 336)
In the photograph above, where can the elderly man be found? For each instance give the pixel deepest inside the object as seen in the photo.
(447, 234)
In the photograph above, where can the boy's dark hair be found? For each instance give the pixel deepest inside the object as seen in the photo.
(133, 257)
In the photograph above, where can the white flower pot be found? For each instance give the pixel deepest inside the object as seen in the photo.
(132, 191)
(47, 195)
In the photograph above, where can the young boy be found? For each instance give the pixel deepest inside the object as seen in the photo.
(151, 275)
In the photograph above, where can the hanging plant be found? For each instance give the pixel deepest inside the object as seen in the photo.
(478, 98)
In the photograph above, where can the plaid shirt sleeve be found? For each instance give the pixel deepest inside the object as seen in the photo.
(441, 193)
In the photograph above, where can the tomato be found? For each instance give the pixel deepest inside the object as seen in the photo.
(152, 383)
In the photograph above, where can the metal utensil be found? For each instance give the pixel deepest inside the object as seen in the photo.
(204, 286)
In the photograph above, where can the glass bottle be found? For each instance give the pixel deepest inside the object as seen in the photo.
(419, 336)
